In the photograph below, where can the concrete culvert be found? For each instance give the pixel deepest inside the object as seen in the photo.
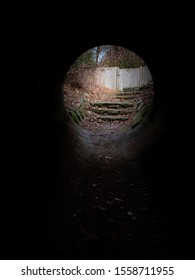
(103, 192)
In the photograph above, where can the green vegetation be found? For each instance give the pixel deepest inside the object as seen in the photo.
(78, 114)
(74, 116)
(141, 112)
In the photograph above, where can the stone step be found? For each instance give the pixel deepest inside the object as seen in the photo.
(131, 89)
(112, 118)
(125, 96)
(110, 111)
(132, 93)
(109, 104)
(139, 116)
(121, 93)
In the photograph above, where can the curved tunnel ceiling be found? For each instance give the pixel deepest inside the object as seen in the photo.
(101, 184)
(83, 202)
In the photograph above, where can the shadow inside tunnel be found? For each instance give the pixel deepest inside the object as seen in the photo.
(72, 195)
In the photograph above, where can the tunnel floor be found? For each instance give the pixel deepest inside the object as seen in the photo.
(105, 205)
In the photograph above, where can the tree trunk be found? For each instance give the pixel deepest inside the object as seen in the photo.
(97, 55)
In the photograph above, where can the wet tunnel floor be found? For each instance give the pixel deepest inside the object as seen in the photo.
(105, 208)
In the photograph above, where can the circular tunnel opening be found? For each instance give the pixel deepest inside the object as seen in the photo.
(104, 208)
(112, 204)
(108, 189)
(108, 89)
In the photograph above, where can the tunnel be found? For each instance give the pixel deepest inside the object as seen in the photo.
(82, 196)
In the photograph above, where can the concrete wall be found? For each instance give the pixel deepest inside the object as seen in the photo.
(115, 78)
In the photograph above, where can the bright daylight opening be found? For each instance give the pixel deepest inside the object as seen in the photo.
(108, 89)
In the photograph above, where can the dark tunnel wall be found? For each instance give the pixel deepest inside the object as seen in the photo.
(42, 122)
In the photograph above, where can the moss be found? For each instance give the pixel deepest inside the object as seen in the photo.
(126, 89)
(140, 106)
(139, 116)
(79, 115)
(74, 116)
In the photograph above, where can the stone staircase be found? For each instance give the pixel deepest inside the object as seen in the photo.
(118, 108)
(111, 111)
(128, 106)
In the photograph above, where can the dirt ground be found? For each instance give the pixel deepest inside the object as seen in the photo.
(73, 94)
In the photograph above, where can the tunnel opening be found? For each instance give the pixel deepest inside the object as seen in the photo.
(100, 203)
(108, 89)
(144, 207)
(106, 199)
